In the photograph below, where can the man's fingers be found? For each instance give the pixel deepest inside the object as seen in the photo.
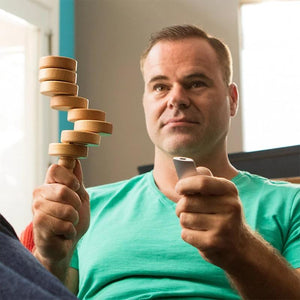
(206, 204)
(81, 191)
(205, 185)
(70, 179)
(56, 193)
(198, 221)
(196, 238)
(204, 171)
(53, 226)
(63, 212)
(78, 171)
(59, 174)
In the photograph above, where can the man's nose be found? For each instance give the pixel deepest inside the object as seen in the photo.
(178, 97)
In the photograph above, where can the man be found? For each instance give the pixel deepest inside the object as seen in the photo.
(21, 275)
(156, 237)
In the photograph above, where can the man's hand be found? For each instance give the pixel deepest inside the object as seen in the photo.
(61, 216)
(212, 220)
(211, 217)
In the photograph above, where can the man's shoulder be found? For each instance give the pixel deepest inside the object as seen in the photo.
(248, 181)
(115, 187)
(113, 195)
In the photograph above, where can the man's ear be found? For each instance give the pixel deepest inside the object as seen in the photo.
(234, 98)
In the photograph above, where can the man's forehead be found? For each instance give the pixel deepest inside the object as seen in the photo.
(191, 55)
(182, 48)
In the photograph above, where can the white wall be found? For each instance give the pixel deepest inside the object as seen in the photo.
(25, 121)
(110, 36)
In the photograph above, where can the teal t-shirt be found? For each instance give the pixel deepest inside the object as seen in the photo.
(133, 248)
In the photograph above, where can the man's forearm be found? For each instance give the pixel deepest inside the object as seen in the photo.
(58, 269)
(263, 274)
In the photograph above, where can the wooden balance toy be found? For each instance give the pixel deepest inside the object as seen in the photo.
(58, 79)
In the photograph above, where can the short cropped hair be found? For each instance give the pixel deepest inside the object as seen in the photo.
(179, 32)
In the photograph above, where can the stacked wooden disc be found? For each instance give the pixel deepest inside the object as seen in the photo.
(58, 79)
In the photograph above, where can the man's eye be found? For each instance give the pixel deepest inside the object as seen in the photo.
(197, 84)
(160, 87)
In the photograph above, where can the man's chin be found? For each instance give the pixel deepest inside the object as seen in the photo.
(180, 148)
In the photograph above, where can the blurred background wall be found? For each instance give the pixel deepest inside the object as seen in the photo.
(109, 38)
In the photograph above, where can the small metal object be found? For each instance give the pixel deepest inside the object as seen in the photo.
(184, 167)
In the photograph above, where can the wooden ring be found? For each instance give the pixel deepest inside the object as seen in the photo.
(104, 128)
(54, 88)
(68, 150)
(66, 103)
(86, 114)
(80, 137)
(58, 62)
(55, 74)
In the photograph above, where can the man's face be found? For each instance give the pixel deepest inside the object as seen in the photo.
(186, 101)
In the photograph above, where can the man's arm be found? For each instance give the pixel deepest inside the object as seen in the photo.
(212, 220)
(61, 214)
(72, 280)
(262, 273)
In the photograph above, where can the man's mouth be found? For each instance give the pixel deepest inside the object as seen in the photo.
(179, 122)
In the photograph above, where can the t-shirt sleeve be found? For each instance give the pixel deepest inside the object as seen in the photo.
(292, 245)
